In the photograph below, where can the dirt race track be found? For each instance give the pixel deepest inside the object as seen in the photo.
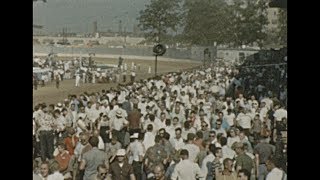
(51, 95)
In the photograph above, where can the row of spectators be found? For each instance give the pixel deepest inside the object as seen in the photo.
(197, 124)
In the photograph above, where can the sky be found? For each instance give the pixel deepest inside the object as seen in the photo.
(79, 15)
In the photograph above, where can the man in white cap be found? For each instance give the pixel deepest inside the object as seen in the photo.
(136, 152)
(59, 106)
(121, 169)
(117, 124)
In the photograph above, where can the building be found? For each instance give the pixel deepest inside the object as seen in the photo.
(235, 54)
(273, 18)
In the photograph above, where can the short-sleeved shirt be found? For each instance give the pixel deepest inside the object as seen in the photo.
(136, 149)
(63, 160)
(233, 176)
(55, 176)
(244, 161)
(121, 173)
(156, 154)
(276, 174)
(186, 170)
(118, 123)
(111, 149)
(45, 122)
(193, 151)
(264, 150)
(93, 158)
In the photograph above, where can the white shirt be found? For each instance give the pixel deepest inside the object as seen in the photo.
(186, 170)
(177, 143)
(56, 176)
(232, 140)
(275, 174)
(148, 140)
(193, 151)
(263, 112)
(209, 158)
(101, 144)
(244, 120)
(227, 152)
(230, 118)
(136, 149)
(159, 124)
(279, 114)
(117, 123)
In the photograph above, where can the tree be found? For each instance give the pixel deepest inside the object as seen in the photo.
(249, 19)
(205, 21)
(159, 17)
(283, 27)
(240, 22)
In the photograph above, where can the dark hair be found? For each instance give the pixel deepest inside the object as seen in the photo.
(223, 141)
(149, 127)
(103, 166)
(166, 136)
(151, 117)
(199, 134)
(56, 111)
(157, 138)
(212, 148)
(184, 152)
(216, 150)
(162, 129)
(94, 141)
(168, 122)
(245, 172)
(273, 159)
(187, 124)
(141, 136)
(178, 129)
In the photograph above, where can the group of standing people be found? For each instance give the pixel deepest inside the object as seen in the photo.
(198, 124)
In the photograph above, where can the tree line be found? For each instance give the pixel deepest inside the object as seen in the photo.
(209, 22)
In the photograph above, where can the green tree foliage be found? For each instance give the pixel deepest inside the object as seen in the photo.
(249, 20)
(205, 21)
(159, 17)
(236, 24)
(283, 26)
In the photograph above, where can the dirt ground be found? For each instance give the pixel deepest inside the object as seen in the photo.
(51, 95)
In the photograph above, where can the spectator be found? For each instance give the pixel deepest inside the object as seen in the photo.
(186, 169)
(121, 169)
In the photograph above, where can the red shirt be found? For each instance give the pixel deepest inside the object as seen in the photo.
(69, 146)
(63, 160)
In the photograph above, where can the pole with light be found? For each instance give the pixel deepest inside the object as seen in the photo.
(158, 50)
(205, 53)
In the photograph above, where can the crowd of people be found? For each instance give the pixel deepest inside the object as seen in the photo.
(82, 70)
(212, 122)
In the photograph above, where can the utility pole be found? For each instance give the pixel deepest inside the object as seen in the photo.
(156, 59)
(120, 27)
